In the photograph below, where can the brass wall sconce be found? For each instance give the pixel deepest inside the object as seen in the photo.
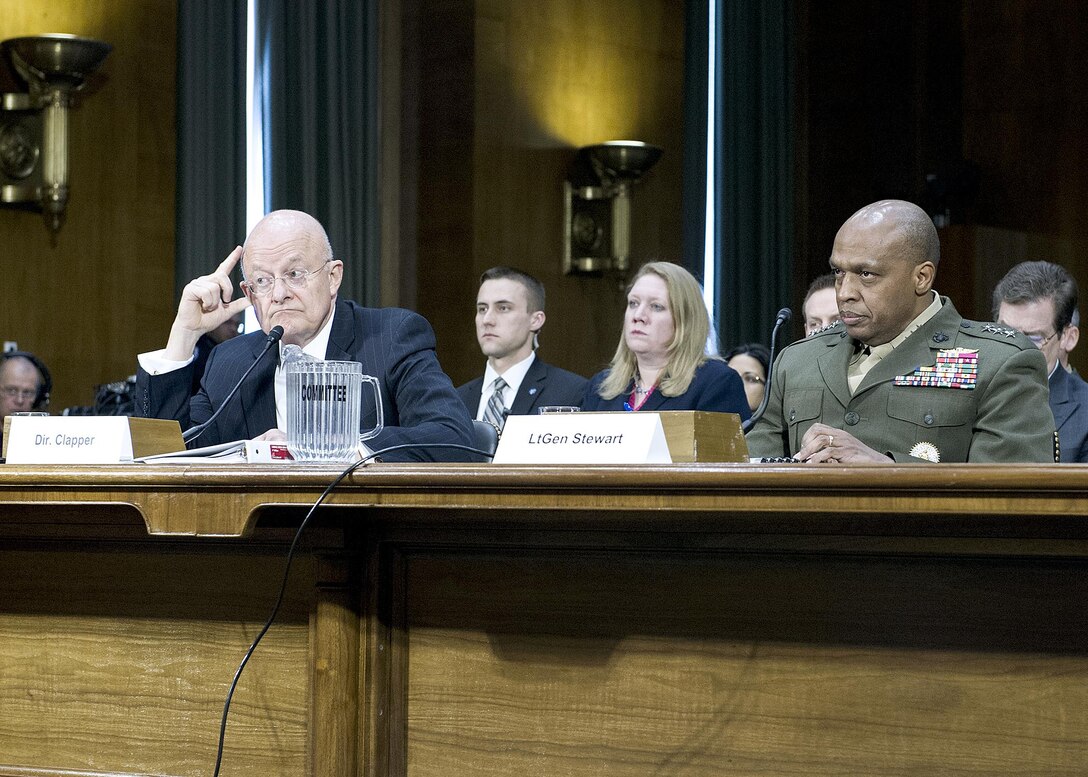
(34, 124)
(597, 205)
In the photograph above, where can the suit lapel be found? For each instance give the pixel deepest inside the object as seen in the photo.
(257, 395)
(342, 337)
(1060, 403)
(833, 364)
(532, 386)
(918, 350)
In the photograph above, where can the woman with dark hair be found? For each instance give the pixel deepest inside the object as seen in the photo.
(662, 362)
(752, 361)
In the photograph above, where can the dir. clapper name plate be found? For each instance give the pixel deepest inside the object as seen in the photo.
(583, 438)
(36, 439)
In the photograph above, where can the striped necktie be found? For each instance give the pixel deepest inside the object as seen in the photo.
(495, 412)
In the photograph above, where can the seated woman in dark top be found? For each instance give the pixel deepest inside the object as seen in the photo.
(662, 362)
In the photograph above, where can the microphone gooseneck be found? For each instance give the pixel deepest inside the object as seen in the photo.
(270, 339)
(784, 315)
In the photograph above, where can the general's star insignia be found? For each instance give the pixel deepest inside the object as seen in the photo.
(1000, 330)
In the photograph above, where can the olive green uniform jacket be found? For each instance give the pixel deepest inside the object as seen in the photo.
(1005, 418)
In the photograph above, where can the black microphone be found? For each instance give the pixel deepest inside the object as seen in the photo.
(784, 315)
(271, 339)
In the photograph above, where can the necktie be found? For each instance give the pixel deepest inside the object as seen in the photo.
(866, 359)
(495, 412)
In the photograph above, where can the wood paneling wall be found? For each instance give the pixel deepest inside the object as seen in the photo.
(507, 92)
(992, 97)
(104, 292)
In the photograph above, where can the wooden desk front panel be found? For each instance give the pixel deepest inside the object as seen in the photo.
(548, 621)
(521, 662)
(116, 658)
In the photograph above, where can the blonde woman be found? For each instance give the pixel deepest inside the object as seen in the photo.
(661, 362)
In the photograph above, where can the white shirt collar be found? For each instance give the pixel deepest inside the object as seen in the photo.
(514, 377)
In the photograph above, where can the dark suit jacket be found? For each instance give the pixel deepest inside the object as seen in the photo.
(543, 385)
(396, 346)
(1069, 404)
(716, 387)
(1003, 419)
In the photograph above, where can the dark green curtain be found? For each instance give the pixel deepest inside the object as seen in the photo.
(211, 145)
(319, 60)
(753, 175)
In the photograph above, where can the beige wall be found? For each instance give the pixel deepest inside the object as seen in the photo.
(544, 78)
(104, 292)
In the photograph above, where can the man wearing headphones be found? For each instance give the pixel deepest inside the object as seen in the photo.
(24, 385)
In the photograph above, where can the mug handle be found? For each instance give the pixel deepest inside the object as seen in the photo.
(376, 387)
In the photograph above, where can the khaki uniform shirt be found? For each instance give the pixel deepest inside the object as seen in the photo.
(1005, 418)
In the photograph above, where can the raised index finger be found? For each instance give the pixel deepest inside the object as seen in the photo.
(230, 262)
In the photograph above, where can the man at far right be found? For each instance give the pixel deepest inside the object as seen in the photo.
(903, 377)
(1039, 299)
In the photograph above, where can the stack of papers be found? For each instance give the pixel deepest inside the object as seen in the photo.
(245, 451)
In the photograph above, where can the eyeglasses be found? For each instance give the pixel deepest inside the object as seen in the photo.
(11, 392)
(292, 279)
(751, 377)
(1040, 341)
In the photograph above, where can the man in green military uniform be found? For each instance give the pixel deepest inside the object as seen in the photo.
(902, 376)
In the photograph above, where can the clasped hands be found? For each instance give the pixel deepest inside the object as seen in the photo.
(823, 444)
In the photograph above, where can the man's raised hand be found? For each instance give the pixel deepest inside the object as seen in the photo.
(206, 302)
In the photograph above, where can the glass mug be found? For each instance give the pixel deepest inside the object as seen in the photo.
(324, 409)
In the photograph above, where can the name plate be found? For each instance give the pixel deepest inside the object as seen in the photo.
(86, 439)
(583, 438)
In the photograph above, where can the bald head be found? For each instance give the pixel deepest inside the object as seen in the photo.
(289, 250)
(885, 260)
(283, 226)
(902, 222)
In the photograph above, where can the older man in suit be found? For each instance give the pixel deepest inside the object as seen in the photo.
(1039, 299)
(903, 376)
(291, 279)
(509, 317)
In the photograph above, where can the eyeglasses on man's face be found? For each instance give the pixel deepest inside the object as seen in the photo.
(14, 392)
(1040, 341)
(293, 279)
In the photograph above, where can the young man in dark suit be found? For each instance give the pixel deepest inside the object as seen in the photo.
(291, 279)
(509, 317)
(1039, 299)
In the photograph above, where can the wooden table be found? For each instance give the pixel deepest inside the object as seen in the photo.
(485, 620)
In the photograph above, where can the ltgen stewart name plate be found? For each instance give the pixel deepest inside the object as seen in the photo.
(583, 438)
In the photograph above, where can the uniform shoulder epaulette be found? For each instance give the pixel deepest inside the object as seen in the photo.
(834, 326)
(998, 332)
(836, 330)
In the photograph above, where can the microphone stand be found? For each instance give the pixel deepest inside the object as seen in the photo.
(784, 315)
(271, 339)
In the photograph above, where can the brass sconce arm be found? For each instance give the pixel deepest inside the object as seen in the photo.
(34, 124)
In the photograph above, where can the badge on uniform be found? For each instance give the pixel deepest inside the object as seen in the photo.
(955, 368)
(927, 451)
